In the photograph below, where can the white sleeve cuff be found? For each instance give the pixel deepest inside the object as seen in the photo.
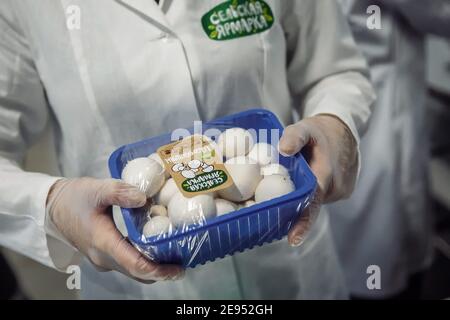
(61, 252)
(23, 218)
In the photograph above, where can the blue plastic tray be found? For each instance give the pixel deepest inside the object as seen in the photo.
(226, 234)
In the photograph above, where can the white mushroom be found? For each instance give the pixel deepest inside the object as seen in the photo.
(144, 173)
(249, 203)
(235, 142)
(156, 226)
(274, 168)
(273, 187)
(155, 156)
(246, 176)
(166, 193)
(157, 210)
(224, 206)
(186, 211)
(264, 154)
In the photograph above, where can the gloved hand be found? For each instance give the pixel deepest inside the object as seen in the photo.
(81, 211)
(331, 151)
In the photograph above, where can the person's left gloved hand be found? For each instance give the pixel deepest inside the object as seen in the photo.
(331, 151)
(80, 209)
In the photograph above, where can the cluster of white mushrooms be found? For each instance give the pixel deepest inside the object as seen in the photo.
(253, 167)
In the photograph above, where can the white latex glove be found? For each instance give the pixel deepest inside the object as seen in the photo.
(331, 151)
(81, 210)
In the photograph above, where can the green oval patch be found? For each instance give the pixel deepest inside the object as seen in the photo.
(205, 181)
(237, 18)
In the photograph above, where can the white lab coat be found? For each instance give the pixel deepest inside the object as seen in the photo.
(387, 221)
(136, 70)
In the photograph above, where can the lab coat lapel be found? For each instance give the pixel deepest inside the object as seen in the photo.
(142, 87)
(147, 10)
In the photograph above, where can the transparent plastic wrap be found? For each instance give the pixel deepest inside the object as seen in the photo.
(266, 193)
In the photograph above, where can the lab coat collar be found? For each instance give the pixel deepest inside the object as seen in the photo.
(149, 11)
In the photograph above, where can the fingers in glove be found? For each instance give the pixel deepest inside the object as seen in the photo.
(104, 263)
(294, 138)
(133, 263)
(298, 233)
(116, 192)
(300, 135)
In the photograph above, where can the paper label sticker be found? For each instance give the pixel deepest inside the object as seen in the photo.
(196, 165)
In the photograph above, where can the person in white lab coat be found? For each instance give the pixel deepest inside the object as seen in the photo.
(387, 220)
(136, 69)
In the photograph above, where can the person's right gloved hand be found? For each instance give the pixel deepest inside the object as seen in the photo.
(81, 210)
